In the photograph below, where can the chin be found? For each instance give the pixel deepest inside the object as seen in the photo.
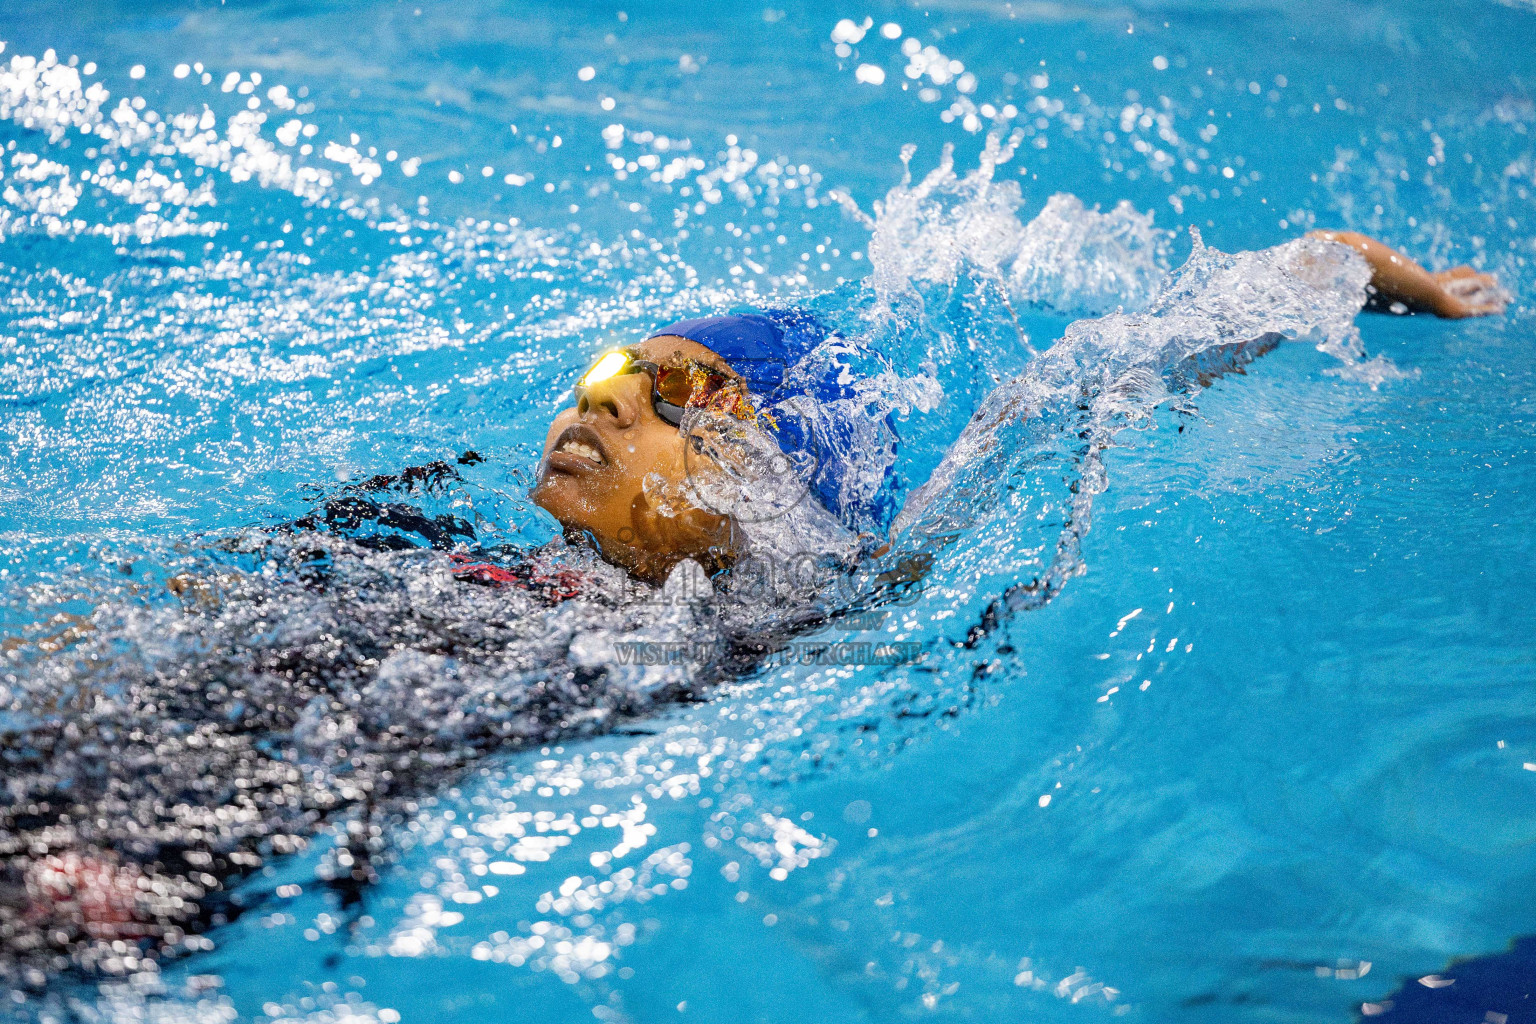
(563, 498)
(553, 494)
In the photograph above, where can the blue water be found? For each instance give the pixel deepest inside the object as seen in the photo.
(1264, 755)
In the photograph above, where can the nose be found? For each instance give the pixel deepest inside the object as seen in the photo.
(614, 399)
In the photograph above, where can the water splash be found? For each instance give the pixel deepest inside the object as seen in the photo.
(1067, 258)
(1077, 260)
(1215, 315)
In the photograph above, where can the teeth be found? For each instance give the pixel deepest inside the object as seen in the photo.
(585, 451)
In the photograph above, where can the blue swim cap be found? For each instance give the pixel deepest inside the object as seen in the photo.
(753, 344)
(803, 376)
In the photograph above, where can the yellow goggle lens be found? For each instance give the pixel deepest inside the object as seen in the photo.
(607, 366)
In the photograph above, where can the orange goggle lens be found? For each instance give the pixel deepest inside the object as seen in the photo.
(689, 385)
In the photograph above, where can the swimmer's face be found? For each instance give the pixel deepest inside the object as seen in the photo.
(597, 456)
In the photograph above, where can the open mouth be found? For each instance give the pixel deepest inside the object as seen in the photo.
(577, 449)
(586, 452)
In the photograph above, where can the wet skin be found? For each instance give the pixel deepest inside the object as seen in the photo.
(1453, 294)
(597, 456)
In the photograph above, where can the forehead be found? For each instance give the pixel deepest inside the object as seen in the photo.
(669, 348)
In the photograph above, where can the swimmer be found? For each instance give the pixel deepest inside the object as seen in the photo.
(621, 472)
(625, 438)
(621, 465)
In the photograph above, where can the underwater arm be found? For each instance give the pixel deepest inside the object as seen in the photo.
(1456, 293)
(67, 631)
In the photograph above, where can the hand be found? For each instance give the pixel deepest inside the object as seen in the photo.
(1465, 292)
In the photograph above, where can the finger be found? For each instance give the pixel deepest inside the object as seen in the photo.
(1468, 286)
(1485, 305)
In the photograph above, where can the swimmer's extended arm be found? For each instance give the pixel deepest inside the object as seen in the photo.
(1455, 293)
(67, 630)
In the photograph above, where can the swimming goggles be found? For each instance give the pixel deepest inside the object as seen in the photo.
(675, 388)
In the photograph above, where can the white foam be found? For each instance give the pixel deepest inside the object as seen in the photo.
(1068, 257)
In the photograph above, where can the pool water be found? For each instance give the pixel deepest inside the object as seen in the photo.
(1224, 705)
